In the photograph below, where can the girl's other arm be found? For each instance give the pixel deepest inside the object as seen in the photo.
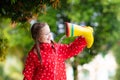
(29, 67)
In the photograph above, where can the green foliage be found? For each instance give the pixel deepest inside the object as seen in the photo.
(22, 10)
(3, 46)
(19, 37)
(3, 41)
(117, 55)
(102, 15)
(50, 18)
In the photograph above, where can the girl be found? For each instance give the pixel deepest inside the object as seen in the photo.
(46, 60)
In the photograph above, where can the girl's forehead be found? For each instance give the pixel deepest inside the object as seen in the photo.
(45, 29)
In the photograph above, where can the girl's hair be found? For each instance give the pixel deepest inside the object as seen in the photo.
(35, 32)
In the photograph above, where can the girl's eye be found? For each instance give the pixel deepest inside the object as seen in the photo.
(47, 33)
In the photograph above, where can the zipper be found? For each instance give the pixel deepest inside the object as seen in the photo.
(54, 50)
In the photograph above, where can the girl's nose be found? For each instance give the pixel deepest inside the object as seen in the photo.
(49, 36)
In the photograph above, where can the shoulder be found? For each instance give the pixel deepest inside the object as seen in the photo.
(32, 53)
(60, 45)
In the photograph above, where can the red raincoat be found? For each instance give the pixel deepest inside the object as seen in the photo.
(53, 60)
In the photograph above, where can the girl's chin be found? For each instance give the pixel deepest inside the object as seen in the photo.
(48, 41)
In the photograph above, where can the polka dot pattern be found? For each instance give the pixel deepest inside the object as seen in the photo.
(53, 60)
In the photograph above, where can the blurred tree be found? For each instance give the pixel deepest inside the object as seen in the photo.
(3, 46)
(102, 15)
(3, 42)
(23, 10)
(117, 53)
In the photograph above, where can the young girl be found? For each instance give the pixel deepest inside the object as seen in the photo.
(46, 60)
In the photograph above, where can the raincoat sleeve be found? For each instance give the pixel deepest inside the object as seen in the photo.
(29, 67)
(72, 49)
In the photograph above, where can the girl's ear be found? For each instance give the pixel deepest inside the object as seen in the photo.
(35, 51)
(39, 39)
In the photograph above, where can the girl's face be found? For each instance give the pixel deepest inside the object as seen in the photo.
(45, 35)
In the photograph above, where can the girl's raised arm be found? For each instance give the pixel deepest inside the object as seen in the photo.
(72, 49)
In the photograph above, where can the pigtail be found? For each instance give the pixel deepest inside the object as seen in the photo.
(38, 50)
(53, 44)
(35, 31)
